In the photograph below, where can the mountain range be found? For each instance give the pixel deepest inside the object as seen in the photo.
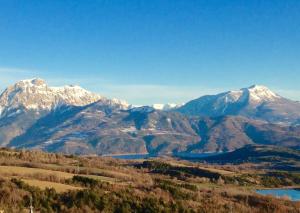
(73, 120)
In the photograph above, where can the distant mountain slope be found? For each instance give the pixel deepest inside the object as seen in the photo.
(255, 102)
(226, 133)
(100, 129)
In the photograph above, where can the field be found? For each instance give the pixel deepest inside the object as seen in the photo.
(59, 187)
(25, 171)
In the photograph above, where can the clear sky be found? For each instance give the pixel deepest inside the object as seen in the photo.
(153, 51)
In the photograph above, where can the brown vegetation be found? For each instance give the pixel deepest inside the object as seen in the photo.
(59, 183)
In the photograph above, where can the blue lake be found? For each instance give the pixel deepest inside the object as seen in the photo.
(294, 194)
(191, 156)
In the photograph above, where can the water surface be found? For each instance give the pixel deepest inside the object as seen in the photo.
(293, 194)
(192, 156)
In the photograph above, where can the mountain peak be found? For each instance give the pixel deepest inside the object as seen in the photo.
(35, 94)
(255, 94)
(256, 102)
(261, 93)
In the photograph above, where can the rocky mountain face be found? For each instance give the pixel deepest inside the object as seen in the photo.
(72, 120)
(255, 102)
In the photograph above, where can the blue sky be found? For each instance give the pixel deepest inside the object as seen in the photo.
(153, 51)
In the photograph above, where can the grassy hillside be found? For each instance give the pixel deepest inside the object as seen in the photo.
(63, 183)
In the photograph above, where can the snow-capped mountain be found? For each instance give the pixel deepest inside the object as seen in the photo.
(165, 107)
(27, 101)
(161, 107)
(257, 102)
(36, 95)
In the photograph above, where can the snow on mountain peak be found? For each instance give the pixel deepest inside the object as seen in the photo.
(36, 94)
(166, 107)
(254, 93)
(261, 93)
